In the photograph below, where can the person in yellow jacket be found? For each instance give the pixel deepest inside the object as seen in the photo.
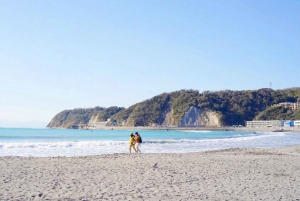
(131, 143)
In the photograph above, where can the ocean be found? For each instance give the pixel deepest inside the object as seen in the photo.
(60, 142)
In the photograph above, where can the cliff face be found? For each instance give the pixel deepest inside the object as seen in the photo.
(211, 118)
(182, 108)
(192, 117)
(195, 117)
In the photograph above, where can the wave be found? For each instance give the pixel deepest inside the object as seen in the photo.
(195, 131)
(84, 148)
(86, 144)
(60, 144)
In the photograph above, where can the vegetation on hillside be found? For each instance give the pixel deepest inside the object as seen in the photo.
(235, 107)
(107, 113)
(240, 106)
(123, 114)
(278, 113)
(80, 117)
(75, 117)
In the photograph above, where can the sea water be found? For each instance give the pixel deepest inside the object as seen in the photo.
(60, 142)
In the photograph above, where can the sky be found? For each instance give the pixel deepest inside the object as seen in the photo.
(57, 55)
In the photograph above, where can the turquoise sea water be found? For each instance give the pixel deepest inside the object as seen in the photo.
(56, 142)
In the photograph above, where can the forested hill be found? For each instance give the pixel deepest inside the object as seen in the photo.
(79, 117)
(186, 107)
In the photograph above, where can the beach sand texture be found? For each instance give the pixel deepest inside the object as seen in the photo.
(233, 174)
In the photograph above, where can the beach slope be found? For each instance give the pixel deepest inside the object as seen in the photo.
(233, 174)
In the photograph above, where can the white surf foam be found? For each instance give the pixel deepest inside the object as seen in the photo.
(83, 148)
(195, 131)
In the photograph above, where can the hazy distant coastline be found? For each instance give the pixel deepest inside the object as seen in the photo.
(28, 124)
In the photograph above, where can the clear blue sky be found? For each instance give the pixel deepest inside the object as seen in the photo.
(57, 55)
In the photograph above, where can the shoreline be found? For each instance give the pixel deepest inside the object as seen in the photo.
(232, 174)
(259, 129)
(64, 144)
(138, 154)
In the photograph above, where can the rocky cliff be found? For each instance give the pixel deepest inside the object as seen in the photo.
(195, 117)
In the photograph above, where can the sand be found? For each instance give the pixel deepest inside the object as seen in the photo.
(233, 174)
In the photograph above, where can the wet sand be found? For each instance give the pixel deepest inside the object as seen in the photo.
(233, 174)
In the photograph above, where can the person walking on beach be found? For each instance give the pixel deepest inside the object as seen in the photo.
(131, 143)
(138, 141)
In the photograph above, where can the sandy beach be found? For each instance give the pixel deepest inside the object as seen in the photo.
(233, 174)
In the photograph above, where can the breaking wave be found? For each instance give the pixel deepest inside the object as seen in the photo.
(184, 145)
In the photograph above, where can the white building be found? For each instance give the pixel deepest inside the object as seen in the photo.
(270, 123)
(100, 124)
(297, 123)
(293, 106)
(296, 106)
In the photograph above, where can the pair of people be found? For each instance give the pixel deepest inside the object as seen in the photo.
(135, 142)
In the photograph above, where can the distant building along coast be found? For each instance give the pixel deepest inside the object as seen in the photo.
(273, 123)
(278, 123)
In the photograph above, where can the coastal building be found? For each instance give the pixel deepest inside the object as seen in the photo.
(296, 106)
(293, 106)
(154, 124)
(121, 123)
(297, 123)
(102, 124)
(288, 123)
(271, 123)
(285, 104)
